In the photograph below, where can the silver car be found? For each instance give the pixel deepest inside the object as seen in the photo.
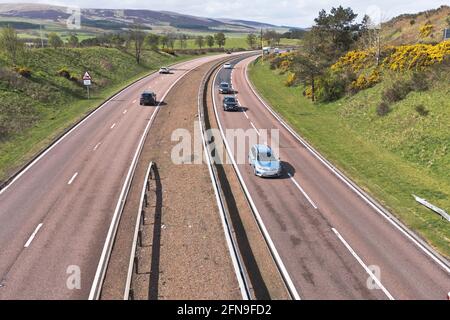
(264, 162)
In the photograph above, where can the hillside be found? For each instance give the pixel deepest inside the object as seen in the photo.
(405, 29)
(34, 109)
(104, 20)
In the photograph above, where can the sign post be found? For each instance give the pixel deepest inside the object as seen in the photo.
(87, 80)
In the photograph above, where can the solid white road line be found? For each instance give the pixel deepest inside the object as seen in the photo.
(112, 127)
(73, 178)
(375, 279)
(303, 191)
(97, 145)
(254, 128)
(33, 235)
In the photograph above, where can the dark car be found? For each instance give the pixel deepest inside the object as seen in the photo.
(230, 104)
(148, 98)
(224, 87)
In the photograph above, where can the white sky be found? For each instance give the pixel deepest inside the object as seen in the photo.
(300, 13)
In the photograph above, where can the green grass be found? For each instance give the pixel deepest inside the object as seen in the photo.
(47, 104)
(390, 157)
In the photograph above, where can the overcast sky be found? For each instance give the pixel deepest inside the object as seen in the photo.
(300, 13)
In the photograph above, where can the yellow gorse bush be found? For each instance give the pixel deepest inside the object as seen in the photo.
(354, 60)
(416, 57)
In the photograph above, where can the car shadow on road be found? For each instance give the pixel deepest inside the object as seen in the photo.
(287, 170)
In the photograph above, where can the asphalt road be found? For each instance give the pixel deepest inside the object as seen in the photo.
(328, 237)
(55, 216)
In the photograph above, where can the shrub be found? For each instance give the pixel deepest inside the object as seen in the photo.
(397, 92)
(291, 79)
(331, 87)
(23, 71)
(169, 51)
(422, 110)
(63, 72)
(383, 109)
(419, 81)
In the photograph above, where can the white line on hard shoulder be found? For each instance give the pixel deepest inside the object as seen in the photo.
(302, 191)
(377, 281)
(112, 127)
(125, 111)
(134, 101)
(27, 244)
(73, 178)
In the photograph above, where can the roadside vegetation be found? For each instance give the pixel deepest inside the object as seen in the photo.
(42, 93)
(381, 113)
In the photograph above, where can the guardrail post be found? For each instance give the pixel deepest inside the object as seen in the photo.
(143, 217)
(131, 295)
(140, 237)
(136, 264)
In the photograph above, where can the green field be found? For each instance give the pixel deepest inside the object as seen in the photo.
(36, 110)
(390, 157)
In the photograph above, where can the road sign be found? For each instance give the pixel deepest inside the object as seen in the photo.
(87, 76)
(446, 34)
(87, 80)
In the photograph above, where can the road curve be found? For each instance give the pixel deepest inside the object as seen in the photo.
(54, 218)
(334, 244)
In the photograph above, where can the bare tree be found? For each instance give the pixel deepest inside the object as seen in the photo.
(10, 43)
(137, 36)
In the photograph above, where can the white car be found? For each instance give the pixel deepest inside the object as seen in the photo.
(227, 66)
(164, 70)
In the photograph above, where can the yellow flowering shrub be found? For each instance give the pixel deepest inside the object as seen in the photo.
(355, 60)
(417, 56)
(291, 79)
(426, 30)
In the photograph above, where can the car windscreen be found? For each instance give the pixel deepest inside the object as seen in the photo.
(230, 100)
(266, 156)
(224, 85)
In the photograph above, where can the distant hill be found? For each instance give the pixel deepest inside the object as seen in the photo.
(101, 20)
(405, 29)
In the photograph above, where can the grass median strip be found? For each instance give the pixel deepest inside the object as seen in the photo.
(364, 149)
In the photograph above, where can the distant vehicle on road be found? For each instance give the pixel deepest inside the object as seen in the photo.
(264, 162)
(148, 98)
(230, 104)
(227, 66)
(164, 70)
(228, 52)
(225, 88)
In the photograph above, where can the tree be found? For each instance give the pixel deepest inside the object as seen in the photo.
(220, 39)
(152, 40)
(164, 41)
(171, 40)
(370, 36)
(251, 40)
(210, 41)
(73, 41)
(55, 41)
(200, 41)
(338, 29)
(118, 40)
(137, 36)
(10, 44)
(272, 37)
(310, 62)
(183, 41)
